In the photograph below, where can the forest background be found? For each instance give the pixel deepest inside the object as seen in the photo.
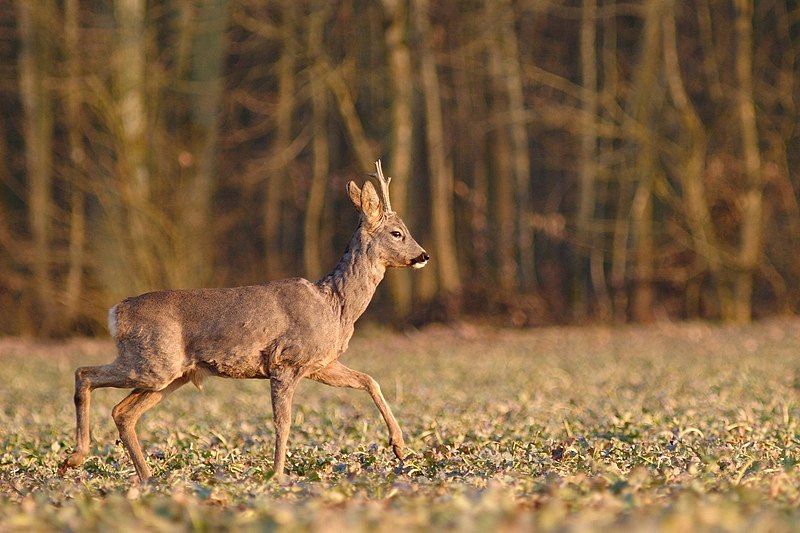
(562, 161)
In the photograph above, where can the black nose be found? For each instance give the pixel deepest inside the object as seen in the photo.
(421, 258)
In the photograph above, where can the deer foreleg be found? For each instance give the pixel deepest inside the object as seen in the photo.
(338, 375)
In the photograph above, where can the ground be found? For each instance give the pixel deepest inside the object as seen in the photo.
(668, 426)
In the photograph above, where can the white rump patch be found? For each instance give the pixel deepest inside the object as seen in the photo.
(112, 321)
(420, 265)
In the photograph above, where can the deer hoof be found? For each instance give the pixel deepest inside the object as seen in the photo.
(76, 459)
(398, 451)
(397, 447)
(144, 477)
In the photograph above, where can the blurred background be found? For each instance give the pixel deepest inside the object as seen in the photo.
(562, 161)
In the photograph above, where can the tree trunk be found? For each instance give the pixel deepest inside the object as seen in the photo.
(321, 163)
(646, 94)
(401, 73)
(691, 172)
(503, 171)
(207, 63)
(77, 155)
(133, 168)
(520, 148)
(752, 209)
(642, 215)
(283, 138)
(587, 174)
(619, 253)
(608, 92)
(471, 107)
(709, 51)
(34, 58)
(441, 170)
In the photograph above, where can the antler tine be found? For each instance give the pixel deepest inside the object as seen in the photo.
(384, 185)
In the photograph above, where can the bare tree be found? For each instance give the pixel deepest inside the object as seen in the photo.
(503, 156)
(645, 95)
(520, 146)
(693, 161)
(588, 156)
(133, 172)
(320, 145)
(77, 154)
(402, 76)
(34, 59)
(752, 200)
(207, 60)
(447, 267)
(277, 179)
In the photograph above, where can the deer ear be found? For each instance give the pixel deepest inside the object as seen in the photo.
(355, 194)
(370, 204)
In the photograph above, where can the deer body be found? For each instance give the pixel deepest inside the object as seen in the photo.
(283, 331)
(164, 335)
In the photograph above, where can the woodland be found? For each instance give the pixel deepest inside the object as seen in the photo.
(565, 161)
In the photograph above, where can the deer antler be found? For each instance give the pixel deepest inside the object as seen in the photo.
(383, 182)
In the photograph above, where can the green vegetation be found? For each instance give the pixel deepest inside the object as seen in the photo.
(667, 426)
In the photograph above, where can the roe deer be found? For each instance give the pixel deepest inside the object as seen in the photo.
(283, 331)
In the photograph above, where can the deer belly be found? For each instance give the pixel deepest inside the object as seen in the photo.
(251, 366)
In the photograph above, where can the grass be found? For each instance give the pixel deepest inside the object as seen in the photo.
(669, 426)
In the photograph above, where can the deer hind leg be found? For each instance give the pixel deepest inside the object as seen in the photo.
(127, 413)
(338, 375)
(283, 385)
(88, 378)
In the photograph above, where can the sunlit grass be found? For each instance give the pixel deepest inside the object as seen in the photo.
(669, 426)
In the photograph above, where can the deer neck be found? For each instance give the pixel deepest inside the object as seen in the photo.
(353, 281)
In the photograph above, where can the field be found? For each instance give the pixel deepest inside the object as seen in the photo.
(668, 426)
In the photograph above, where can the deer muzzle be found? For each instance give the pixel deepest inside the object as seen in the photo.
(421, 260)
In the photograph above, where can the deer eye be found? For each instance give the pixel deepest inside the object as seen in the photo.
(396, 234)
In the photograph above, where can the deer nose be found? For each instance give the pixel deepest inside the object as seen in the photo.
(421, 258)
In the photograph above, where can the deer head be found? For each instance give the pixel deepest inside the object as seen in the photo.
(384, 232)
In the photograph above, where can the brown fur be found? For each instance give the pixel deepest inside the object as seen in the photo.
(283, 331)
